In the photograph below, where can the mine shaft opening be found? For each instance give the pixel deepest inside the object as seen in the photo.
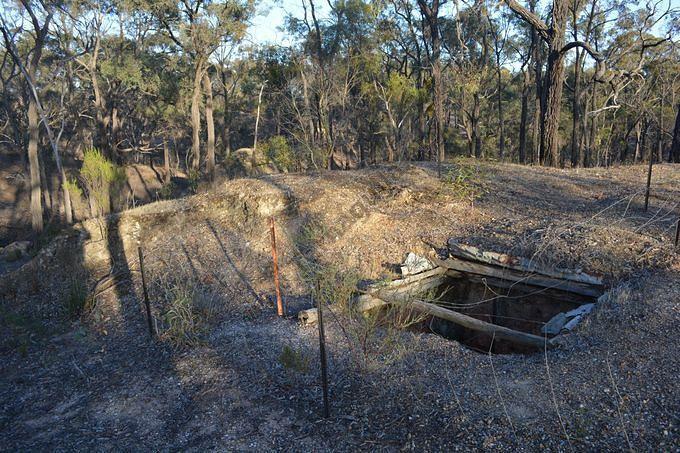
(513, 305)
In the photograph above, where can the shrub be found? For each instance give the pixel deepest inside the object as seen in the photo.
(193, 177)
(279, 152)
(181, 318)
(100, 177)
(294, 360)
(71, 185)
(466, 181)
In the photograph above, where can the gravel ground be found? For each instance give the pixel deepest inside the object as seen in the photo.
(100, 383)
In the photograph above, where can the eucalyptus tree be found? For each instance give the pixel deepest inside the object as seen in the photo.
(197, 28)
(40, 16)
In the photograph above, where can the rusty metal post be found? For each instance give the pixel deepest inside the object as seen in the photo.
(279, 302)
(152, 331)
(677, 232)
(322, 356)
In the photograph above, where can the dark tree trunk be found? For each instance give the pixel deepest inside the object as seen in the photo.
(576, 113)
(34, 164)
(196, 117)
(431, 16)
(675, 147)
(210, 126)
(555, 83)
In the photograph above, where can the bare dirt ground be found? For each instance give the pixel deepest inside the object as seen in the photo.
(98, 382)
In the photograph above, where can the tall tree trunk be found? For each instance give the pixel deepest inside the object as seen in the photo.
(34, 166)
(196, 117)
(431, 16)
(660, 132)
(226, 115)
(210, 126)
(576, 113)
(537, 64)
(438, 94)
(524, 118)
(675, 147)
(555, 82)
(501, 121)
(637, 141)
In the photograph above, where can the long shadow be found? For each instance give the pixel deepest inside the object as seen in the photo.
(121, 274)
(194, 272)
(233, 265)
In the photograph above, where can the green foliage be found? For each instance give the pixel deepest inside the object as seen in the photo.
(194, 177)
(294, 360)
(466, 181)
(167, 191)
(71, 185)
(101, 177)
(181, 317)
(279, 152)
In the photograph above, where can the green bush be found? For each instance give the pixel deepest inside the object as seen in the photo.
(101, 177)
(279, 152)
(294, 360)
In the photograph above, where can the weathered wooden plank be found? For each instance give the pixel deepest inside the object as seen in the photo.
(469, 252)
(524, 289)
(506, 273)
(368, 302)
(500, 332)
(409, 291)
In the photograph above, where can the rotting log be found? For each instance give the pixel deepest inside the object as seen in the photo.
(368, 302)
(500, 332)
(526, 289)
(507, 273)
(409, 290)
(397, 290)
(468, 252)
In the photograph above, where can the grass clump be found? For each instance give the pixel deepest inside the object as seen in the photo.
(186, 316)
(466, 181)
(77, 301)
(292, 359)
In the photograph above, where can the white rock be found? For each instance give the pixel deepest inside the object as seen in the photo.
(415, 264)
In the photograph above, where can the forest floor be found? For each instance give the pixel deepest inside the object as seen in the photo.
(228, 374)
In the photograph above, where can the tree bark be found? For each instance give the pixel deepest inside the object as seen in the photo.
(210, 126)
(576, 113)
(196, 117)
(675, 147)
(555, 83)
(524, 119)
(431, 16)
(34, 165)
